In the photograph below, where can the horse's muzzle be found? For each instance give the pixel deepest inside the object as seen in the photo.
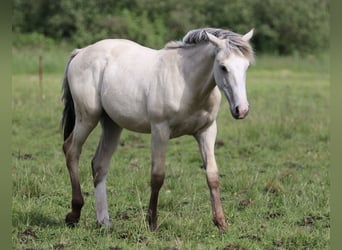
(240, 111)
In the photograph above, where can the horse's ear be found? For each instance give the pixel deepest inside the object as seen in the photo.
(215, 40)
(248, 35)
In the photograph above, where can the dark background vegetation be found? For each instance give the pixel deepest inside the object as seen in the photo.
(282, 26)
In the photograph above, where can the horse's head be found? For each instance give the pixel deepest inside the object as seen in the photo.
(232, 59)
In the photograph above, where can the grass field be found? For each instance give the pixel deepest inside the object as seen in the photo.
(273, 168)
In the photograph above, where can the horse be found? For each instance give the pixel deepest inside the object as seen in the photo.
(170, 92)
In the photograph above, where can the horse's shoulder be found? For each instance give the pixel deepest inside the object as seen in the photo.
(214, 101)
(215, 96)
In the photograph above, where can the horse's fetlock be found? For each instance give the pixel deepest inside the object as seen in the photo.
(77, 203)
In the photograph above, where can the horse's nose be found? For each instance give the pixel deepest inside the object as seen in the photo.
(241, 111)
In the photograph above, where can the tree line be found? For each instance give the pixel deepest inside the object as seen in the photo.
(281, 26)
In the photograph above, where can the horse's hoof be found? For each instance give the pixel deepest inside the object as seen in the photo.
(154, 228)
(152, 222)
(71, 220)
(223, 228)
(221, 225)
(105, 223)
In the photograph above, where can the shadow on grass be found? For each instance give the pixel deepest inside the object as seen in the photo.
(34, 218)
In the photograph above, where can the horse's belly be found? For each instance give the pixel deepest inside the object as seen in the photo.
(136, 123)
(127, 114)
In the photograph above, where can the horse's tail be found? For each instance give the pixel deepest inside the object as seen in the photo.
(68, 119)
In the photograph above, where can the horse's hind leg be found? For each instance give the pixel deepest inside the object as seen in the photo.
(72, 148)
(100, 165)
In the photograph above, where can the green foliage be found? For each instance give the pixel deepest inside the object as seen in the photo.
(282, 26)
(33, 40)
(292, 26)
(273, 169)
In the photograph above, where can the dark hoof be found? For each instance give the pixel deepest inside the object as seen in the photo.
(154, 228)
(221, 225)
(222, 228)
(71, 220)
(152, 223)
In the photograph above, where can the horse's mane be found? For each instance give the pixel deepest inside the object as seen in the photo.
(234, 41)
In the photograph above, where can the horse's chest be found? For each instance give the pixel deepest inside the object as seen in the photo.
(191, 124)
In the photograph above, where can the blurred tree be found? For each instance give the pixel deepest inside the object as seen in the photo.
(282, 26)
(291, 26)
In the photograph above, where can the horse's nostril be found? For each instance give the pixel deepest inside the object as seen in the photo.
(237, 111)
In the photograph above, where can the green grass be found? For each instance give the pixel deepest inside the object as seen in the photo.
(273, 169)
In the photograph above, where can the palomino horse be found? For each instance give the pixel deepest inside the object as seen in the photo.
(169, 92)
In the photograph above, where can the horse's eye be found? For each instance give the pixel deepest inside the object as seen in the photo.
(223, 68)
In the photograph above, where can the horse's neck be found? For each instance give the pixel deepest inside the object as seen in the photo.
(197, 65)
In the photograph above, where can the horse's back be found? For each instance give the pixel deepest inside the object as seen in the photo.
(108, 49)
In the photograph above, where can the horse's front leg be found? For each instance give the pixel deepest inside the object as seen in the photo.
(206, 142)
(159, 138)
